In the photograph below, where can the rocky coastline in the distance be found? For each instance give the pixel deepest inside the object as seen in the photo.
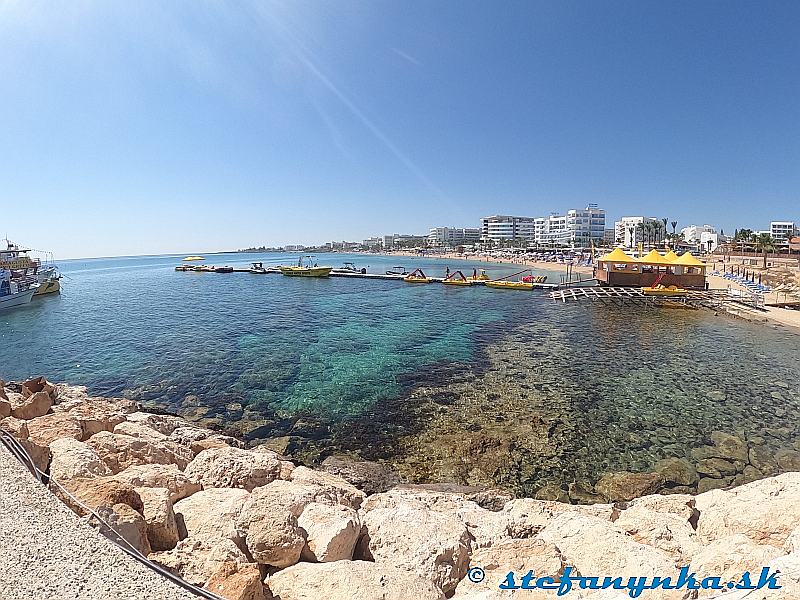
(248, 524)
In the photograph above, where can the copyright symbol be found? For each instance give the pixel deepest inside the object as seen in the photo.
(476, 574)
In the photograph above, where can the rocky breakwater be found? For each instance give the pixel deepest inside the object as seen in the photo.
(249, 524)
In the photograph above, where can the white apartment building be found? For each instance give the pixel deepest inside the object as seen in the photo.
(372, 242)
(453, 236)
(396, 239)
(781, 231)
(628, 232)
(505, 227)
(579, 227)
(585, 225)
(693, 233)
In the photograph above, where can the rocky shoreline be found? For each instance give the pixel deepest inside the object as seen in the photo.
(250, 524)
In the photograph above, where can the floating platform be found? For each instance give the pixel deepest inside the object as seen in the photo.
(357, 275)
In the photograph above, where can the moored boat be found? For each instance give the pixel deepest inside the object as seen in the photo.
(305, 270)
(660, 290)
(257, 268)
(456, 278)
(18, 298)
(49, 280)
(510, 285)
(399, 271)
(417, 276)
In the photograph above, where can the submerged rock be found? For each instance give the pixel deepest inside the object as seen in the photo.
(624, 485)
(676, 471)
(370, 477)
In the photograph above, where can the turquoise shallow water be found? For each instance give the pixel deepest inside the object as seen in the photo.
(401, 372)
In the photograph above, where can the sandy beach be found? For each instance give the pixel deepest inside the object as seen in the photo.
(774, 315)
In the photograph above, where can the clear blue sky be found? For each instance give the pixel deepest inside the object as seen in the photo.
(148, 127)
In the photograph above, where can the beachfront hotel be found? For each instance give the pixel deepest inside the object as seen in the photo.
(576, 228)
(453, 236)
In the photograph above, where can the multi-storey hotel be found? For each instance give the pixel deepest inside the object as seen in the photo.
(577, 228)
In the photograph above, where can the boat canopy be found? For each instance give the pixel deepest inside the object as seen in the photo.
(617, 256)
(654, 258)
(688, 260)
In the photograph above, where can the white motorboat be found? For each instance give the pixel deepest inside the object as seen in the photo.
(11, 295)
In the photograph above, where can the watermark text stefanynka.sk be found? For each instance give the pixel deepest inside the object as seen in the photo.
(634, 586)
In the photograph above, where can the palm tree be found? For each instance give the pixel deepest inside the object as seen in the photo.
(664, 229)
(765, 243)
(642, 228)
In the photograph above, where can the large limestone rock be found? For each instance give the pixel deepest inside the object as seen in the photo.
(38, 384)
(160, 476)
(164, 424)
(5, 407)
(269, 520)
(331, 532)
(125, 523)
(728, 557)
(432, 544)
(198, 560)
(121, 451)
(766, 511)
(663, 524)
(162, 531)
(16, 427)
(234, 468)
(370, 477)
(71, 458)
(139, 430)
(624, 485)
(211, 513)
(331, 487)
(596, 546)
(526, 517)
(345, 580)
(96, 415)
(33, 406)
(520, 556)
(39, 453)
(48, 428)
(199, 439)
(95, 492)
(235, 581)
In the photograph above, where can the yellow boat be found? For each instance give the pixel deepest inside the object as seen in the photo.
(456, 278)
(481, 277)
(661, 290)
(417, 276)
(194, 258)
(307, 270)
(509, 285)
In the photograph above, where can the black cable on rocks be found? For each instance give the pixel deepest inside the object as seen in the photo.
(21, 454)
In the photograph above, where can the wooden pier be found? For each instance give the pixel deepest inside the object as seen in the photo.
(633, 295)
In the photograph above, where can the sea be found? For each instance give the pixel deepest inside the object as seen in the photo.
(469, 385)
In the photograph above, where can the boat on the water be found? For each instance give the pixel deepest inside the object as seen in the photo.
(191, 258)
(13, 296)
(397, 271)
(349, 268)
(660, 290)
(417, 276)
(482, 276)
(22, 277)
(457, 278)
(305, 269)
(223, 269)
(49, 280)
(257, 268)
(510, 285)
